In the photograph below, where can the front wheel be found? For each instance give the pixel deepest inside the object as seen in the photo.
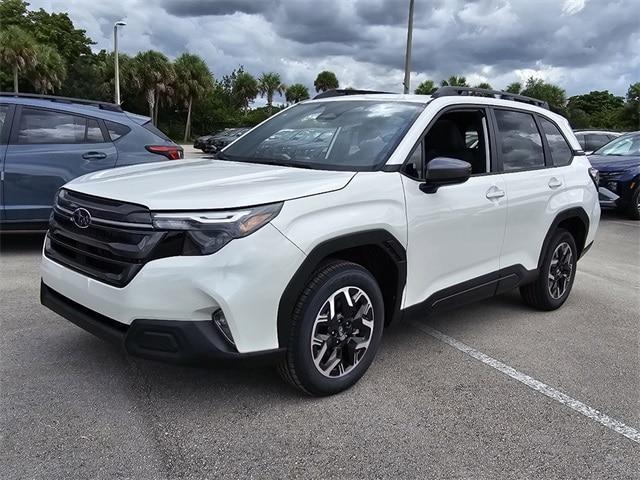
(557, 272)
(336, 329)
(634, 206)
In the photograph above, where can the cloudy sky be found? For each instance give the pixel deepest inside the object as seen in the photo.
(582, 45)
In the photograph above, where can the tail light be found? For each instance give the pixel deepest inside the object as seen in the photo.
(595, 176)
(170, 151)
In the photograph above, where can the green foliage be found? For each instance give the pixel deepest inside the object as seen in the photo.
(49, 70)
(601, 107)
(484, 85)
(326, 80)
(426, 88)
(455, 81)
(245, 89)
(155, 74)
(269, 84)
(193, 82)
(296, 93)
(17, 51)
(515, 87)
(630, 115)
(548, 92)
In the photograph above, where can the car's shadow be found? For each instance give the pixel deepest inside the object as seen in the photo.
(21, 242)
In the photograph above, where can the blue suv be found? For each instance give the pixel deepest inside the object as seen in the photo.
(46, 141)
(619, 165)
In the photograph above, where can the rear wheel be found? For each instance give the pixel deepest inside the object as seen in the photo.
(336, 330)
(634, 206)
(557, 272)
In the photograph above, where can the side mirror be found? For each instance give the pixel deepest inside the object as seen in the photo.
(445, 171)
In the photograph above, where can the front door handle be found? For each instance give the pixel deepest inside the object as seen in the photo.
(94, 156)
(555, 182)
(494, 193)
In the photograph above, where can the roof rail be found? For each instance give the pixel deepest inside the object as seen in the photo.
(112, 107)
(450, 91)
(346, 91)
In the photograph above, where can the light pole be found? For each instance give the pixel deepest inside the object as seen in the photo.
(115, 56)
(407, 58)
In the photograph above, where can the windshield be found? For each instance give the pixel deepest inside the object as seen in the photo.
(625, 145)
(339, 135)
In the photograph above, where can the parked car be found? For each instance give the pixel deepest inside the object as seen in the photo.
(618, 163)
(46, 141)
(223, 138)
(201, 142)
(592, 140)
(307, 257)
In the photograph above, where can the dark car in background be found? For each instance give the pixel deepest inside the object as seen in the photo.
(201, 142)
(592, 140)
(47, 141)
(222, 139)
(619, 165)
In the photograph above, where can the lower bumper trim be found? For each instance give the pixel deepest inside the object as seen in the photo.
(173, 341)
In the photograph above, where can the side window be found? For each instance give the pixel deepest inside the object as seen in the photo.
(580, 137)
(459, 134)
(561, 153)
(94, 133)
(519, 141)
(4, 110)
(116, 130)
(46, 126)
(414, 167)
(595, 141)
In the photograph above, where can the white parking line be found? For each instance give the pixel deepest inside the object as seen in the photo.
(625, 223)
(558, 396)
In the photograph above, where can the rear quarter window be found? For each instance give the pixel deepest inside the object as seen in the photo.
(156, 131)
(116, 130)
(561, 153)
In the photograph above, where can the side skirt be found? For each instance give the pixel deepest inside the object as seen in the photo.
(473, 290)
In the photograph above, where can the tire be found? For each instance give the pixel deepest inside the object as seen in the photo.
(344, 336)
(546, 293)
(634, 207)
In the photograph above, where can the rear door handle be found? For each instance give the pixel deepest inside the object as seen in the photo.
(94, 156)
(555, 182)
(494, 193)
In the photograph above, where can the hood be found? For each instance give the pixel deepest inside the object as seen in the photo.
(207, 184)
(606, 163)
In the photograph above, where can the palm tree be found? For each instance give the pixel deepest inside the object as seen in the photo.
(485, 85)
(268, 84)
(296, 93)
(155, 73)
(515, 87)
(455, 81)
(49, 71)
(326, 81)
(426, 88)
(17, 50)
(193, 81)
(245, 89)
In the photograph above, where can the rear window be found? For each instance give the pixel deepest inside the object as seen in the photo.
(156, 131)
(116, 130)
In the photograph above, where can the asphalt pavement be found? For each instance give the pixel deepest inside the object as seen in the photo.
(73, 407)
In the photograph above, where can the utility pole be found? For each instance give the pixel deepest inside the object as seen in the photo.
(407, 58)
(115, 56)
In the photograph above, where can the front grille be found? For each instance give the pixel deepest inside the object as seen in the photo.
(115, 246)
(609, 176)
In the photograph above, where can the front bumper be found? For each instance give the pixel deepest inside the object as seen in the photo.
(183, 342)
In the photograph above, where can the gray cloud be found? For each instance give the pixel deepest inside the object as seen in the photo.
(580, 44)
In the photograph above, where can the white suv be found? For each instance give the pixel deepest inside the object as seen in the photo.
(321, 226)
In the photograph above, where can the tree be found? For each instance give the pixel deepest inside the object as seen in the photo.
(268, 84)
(548, 92)
(326, 80)
(455, 81)
(515, 87)
(602, 108)
(14, 12)
(49, 70)
(17, 50)
(485, 85)
(245, 89)
(633, 105)
(426, 88)
(193, 82)
(155, 73)
(296, 93)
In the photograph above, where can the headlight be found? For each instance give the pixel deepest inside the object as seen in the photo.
(208, 232)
